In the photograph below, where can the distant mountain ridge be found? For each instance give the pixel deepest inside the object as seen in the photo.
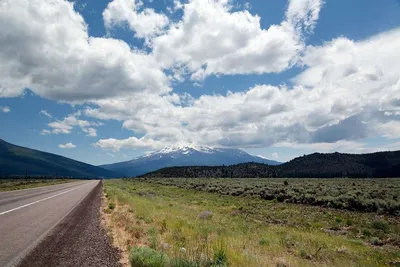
(317, 165)
(184, 156)
(17, 160)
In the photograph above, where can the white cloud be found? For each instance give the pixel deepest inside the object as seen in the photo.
(60, 61)
(342, 146)
(177, 6)
(45, 113)
(347, 90)
(129, 143)
(67, 145)
(209, 39)
(342, 104)
(45, 132)
(145, 23)
(303, 14)
(390, 129)
(90, 131)
(275, 155)
(59, 127)
(5, 109)
(212, 39)
(66, 125)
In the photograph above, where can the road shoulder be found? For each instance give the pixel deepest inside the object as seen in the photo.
(78, 240)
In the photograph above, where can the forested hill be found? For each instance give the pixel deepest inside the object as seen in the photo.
(17, 160)
(380, 164)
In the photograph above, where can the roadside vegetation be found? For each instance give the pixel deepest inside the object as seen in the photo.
(17, 184)
(166, 225)
(367, 195)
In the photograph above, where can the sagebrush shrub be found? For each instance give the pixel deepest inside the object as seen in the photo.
(147, 257)
(380, 225)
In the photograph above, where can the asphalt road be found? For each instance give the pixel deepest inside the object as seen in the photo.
(27, 216)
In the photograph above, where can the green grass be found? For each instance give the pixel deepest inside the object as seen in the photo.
(147, 257)
(369, 195)
(17, 184)
(246, 231)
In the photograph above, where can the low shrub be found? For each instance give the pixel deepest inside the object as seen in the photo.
(111, 205)
(147, 257)
(376, 241)
(349, 222)
(366, 232)
(380, 225)
(368, 195)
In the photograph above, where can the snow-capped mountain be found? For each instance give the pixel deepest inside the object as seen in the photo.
(186, 155)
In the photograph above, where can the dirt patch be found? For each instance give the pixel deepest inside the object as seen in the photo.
(115, 233)
(123, 227)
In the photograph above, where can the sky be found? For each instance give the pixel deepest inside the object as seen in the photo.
(104, 81)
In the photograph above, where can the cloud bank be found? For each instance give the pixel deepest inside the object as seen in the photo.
(346, 89)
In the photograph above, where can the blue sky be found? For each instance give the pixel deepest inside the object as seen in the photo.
(104, 81)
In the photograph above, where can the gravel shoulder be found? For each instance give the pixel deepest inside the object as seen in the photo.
(78, 240)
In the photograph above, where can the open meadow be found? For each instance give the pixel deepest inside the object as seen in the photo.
(254, 222)
(368, 195)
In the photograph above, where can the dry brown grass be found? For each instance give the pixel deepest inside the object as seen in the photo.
(123, 227)
(118, 236)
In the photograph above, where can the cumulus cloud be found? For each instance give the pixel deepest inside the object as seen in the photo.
(338, 105)
(61, 61)
(145, 22)
(129, 143)
(67, 145)
(347, 89)
(211, 38)
(90, 131)
(5, 109)
(303, 14)
(66, 125)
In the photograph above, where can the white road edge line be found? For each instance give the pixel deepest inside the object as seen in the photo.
(40, 200)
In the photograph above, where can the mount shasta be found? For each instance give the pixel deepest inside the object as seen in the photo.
(184, 156)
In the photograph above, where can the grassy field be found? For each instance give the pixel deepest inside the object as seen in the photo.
(369, 195)
(17, 184)
(156, 224)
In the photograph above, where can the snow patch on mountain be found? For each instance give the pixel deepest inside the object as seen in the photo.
(184, 149)
(185, 155)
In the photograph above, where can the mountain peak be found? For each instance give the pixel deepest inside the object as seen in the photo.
(184, 149)
(185, 155)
